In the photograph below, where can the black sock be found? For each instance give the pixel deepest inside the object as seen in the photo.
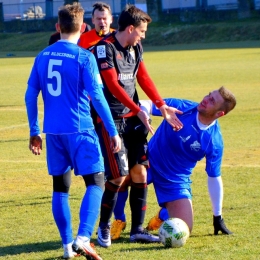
(138, 195)
(108, 202)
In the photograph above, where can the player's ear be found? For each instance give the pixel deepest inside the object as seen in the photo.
(130, 28)
(57, 26)
(220, 113)
(83, 27)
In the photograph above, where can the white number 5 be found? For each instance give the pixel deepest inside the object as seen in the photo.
(54, 73)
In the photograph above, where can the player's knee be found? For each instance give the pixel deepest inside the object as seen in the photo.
(61, 183)
(96, 179)
(118, 181)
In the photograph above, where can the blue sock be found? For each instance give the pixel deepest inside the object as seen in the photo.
(89, 210)
(62, 216)
(120, 205)
(163, 214)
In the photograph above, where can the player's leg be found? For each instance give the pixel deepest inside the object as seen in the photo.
(116, 168)
(88, 214)
(138, 162)
(119, 224)
(156, 221)
(59, 167)
(173, 196)
(88, 162)
(181, 208)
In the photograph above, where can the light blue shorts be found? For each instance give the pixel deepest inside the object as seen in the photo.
(167, 190)
(79, 151)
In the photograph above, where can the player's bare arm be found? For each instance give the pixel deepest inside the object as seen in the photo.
(169, 114)
(115, 143)
(35, 144)
(145, 119)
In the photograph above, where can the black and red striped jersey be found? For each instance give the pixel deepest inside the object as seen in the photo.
(118, 68)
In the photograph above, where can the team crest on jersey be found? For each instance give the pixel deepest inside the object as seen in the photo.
(101, 51)
(195, 146)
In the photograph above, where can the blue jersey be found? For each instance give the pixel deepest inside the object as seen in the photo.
(174, 154)
(63, 115)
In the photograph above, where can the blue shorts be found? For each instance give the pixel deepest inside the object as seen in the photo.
(166, 190)
(79, 151)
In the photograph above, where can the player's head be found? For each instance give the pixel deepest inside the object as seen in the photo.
(134, 21)
(229, 100)
(102, 17)
(216, 104)
(70, 18)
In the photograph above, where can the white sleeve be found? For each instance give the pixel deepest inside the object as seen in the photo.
(215, 188)
(146, 105)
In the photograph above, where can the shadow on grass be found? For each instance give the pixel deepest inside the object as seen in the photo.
(31, 202)
(29, 248)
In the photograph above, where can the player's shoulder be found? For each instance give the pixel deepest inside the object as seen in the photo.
(182, 104)
(108, 39)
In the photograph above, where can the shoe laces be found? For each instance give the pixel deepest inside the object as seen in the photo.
(145, 232)
(105, 232)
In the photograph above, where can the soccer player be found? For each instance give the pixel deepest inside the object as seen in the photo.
(102, 19)
(68, 76)
(120, 62)
(173, 155)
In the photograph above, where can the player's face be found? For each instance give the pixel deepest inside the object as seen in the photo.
(102, 21)
(137, 34)
(210, 105)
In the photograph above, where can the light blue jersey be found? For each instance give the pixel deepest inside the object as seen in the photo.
(174, 154)
(66, 102)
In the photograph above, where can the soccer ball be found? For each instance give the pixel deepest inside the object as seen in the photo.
(174, 232)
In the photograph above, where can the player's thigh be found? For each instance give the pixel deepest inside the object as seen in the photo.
(116, 164)
(86, 153)
(136, 144)
(58, 158)
(181, 208)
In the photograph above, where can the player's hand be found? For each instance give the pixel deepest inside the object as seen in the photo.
(145, 120)
(35, 144)
(219, 225)
(169, 114)
(115, 143)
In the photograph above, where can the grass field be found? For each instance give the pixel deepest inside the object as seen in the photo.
(27, 229)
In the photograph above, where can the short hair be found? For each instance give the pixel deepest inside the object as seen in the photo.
(101, 6)
(229, 99)
(132, 15)
(70, 17)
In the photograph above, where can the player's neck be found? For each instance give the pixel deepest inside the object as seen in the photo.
(121, 38)
(71, 37)
(205, 120)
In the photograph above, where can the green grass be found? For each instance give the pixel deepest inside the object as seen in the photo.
(27, 229)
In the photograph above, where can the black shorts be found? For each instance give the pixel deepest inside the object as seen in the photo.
(133, 136)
